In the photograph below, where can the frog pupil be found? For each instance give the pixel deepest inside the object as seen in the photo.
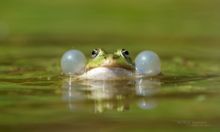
(125, 53)
(94, 53)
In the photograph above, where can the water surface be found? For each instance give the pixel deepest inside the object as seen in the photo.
(35, 96)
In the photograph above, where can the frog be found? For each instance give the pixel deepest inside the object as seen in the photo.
(102, 65)
(117, 65)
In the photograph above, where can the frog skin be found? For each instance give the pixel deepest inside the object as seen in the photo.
(109, 66)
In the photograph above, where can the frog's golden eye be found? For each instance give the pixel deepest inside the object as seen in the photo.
(95, 52)
(125, 53)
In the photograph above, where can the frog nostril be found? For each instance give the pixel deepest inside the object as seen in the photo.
(111, 57)
(115, 57)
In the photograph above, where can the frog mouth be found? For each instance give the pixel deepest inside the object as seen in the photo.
(107, 73)
(126, 67)
(118, 66)
(111, 64)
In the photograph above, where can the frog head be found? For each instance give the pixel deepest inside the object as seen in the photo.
(118, 59)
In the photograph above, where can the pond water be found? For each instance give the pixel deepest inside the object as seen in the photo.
(35, 96)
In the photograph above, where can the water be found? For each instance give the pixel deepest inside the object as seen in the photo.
(35, 96)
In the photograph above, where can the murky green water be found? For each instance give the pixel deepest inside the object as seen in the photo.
(34, 96)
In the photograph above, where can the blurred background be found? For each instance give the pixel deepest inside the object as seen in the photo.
(171, 28)
(146, 22)
(35, 33)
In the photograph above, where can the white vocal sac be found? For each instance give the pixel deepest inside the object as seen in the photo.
(73, 62)
(147, 63)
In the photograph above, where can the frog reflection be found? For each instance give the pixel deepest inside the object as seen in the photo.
(111, 95)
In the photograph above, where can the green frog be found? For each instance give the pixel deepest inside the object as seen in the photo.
(109, 66)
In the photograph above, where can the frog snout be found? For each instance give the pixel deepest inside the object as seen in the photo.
(112, 57)
(110, 60)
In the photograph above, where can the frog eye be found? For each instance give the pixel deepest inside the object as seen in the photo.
(95, 52)
(125, 53)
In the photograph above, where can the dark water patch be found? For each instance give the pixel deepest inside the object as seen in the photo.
(106, 124)
(22, 70)
(43, 91)
(173, 80)
(39, 78)
(182, 95)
